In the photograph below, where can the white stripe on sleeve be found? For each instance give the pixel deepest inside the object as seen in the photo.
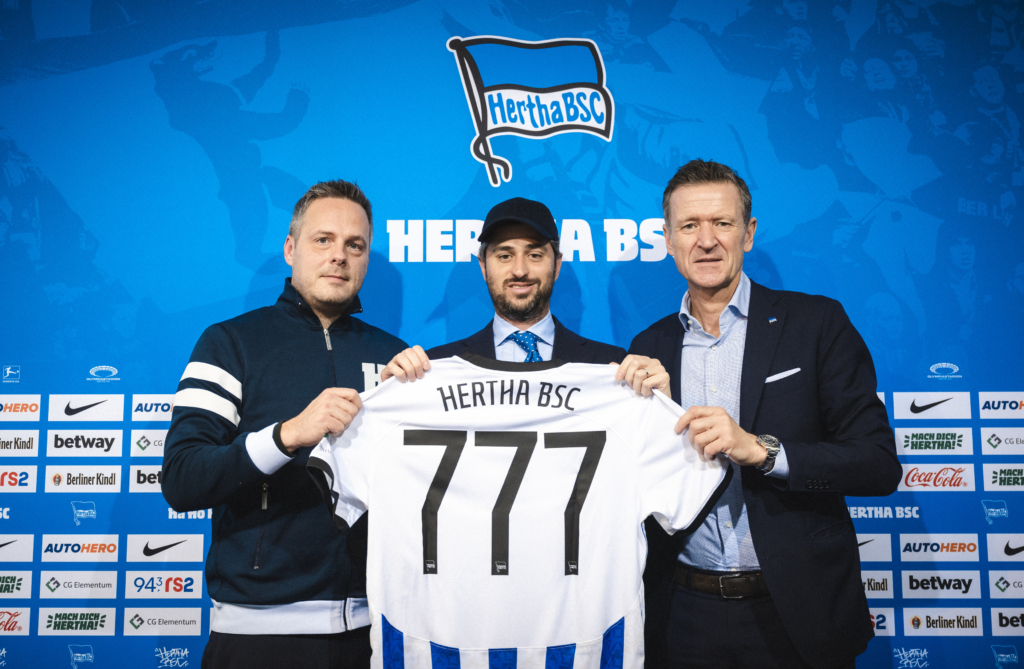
(204, 399)
(207, 372)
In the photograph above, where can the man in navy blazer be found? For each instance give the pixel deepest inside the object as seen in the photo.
(520, 262)
(782, 385)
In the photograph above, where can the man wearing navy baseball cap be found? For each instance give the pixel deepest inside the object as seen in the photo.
(520, 261)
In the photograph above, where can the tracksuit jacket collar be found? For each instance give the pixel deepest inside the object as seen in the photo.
(294, 305)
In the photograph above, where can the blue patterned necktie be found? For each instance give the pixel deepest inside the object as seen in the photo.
(528, 342)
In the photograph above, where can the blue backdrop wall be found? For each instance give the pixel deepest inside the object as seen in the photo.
(152, 151)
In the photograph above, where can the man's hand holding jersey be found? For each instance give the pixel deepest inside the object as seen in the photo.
(714, 432)
(330, 413)
(408, 365)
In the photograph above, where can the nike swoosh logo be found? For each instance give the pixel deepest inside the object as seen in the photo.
(916, 409)
(864, 542)
(150, 552)
(1012, 551)
(68, 411)
(11, 542)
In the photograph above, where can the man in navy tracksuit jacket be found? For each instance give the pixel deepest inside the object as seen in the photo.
(260, 390)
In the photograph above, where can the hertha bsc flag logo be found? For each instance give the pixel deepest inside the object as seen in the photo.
(531, 89)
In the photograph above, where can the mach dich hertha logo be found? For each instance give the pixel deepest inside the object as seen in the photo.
(531, 89)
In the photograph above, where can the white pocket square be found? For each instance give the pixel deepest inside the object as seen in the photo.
(781, 375)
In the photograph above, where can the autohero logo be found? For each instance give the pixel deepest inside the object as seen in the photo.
(103, 374)
(148, 443)
(17, 479)
(162, 622)
(1006, 584)
(994, 508)
(932, 477)
(1004, 476)
(152, 407)
(165, 548)
(1004, 440)
(1005, 547)
(1001, 405)
(941, 585)
(14, 621)
(16, 547)
(877, 584)
(145, 478)
(883, 621)
(80, 548)
(939, 547)
(11, 373)
(531, 90)
(928, 406)
(19, 407)
(78, 584)
(83, 443)
(200, 514)
(83, 478)
(1008, 622)
(934, 441)
(942, 622)
(15, 584)
(19, 443)
(884, 511)
(944, 370)
(76, 622)
(874, 547)
(163, 585)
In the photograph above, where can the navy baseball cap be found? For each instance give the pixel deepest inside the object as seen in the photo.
(520, 210)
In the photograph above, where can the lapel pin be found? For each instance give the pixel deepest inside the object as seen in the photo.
(772, 319)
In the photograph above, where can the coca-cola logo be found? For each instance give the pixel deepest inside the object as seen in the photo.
(947, 477)
(9, 621)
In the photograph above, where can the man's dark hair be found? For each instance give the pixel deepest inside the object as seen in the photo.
(699, 171)
(338, 188)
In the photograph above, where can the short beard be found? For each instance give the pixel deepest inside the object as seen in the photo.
(532, 310)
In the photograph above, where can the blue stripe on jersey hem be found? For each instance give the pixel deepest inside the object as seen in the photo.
(394, 646)
(614, 645)
(502, 658)
(444, 657)
(560, 657)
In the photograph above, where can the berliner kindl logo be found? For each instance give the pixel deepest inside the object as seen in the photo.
(531, 89)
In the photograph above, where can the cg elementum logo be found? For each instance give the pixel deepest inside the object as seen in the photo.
(53, 585)
(137, 621)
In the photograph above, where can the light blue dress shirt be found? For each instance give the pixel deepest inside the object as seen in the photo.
(710, 376)
(509, 351)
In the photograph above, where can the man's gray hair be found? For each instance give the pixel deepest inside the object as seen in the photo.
(338, 188)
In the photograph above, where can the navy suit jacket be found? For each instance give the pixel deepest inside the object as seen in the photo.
(838, 442)
(569, 347)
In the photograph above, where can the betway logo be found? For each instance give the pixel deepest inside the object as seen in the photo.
(941, 584)
(84, 443)
(1008, 622)
(939, 547)
(959, 477)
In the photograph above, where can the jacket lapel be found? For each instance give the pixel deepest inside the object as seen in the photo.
(673, 345)
(482, 343)
(765, 322)
(567, 343)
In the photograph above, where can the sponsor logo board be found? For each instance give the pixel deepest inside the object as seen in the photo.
(148, 443)
(15, 621)
(1002, 440)
(80, 548)
(83, 478)
(163, 622)
(877, 584)
(950, 621)
(939, 547)
(65, 621)
(1006, 547)
(1009, 476)
(1008, 621)
(931, 406)
(1001, 405)
(144, 478)
(17, 479)
(82, 408)
(165, 548)
(874, 547)
(78, 584)
(935, 477)
(83, 443)
(941, 585)
(19, 407)
(884, 511)
(16, 547)
(934, 441)
(152, 407)
(15, 584)
(163, 584)
(883, 621)
(1006, 584)
(19, 443)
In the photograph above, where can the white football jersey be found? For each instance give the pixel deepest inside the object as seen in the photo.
(507, 505)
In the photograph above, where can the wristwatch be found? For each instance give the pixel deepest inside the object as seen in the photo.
(770, 444)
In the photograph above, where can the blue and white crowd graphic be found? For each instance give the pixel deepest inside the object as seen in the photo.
(152, 153)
